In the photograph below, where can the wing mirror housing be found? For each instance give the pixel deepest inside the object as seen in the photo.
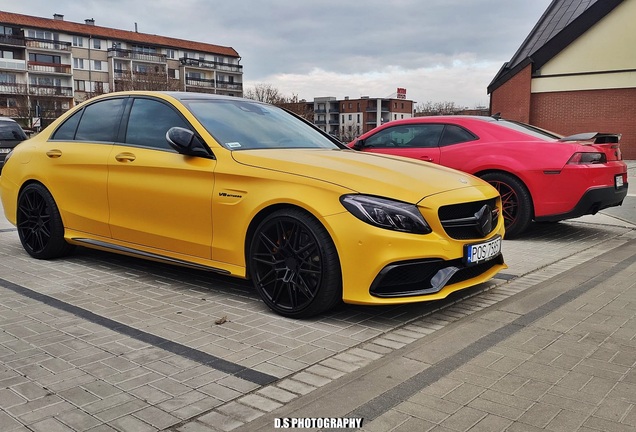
(186, 142)
(358, 144)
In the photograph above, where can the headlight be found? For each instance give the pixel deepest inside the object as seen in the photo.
(386, 213)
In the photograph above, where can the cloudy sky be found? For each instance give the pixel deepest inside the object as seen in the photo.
(439, 50)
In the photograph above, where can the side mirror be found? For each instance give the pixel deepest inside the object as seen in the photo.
(358, 144)
(186, 142)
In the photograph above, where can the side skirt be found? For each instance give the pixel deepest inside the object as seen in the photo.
(96, 244)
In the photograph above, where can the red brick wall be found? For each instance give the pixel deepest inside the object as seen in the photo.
(512, 99)
(573, 112)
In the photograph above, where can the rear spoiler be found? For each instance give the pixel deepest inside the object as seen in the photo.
(596, 137)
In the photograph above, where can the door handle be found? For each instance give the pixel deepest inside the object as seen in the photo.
(125, 157)
(54, 154)
(426, 158)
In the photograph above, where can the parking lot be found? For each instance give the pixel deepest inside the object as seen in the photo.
(103, 342)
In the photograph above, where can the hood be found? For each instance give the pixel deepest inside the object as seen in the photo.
(400, 178)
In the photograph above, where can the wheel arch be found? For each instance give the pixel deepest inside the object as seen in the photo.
(265, 212)
(483, 172)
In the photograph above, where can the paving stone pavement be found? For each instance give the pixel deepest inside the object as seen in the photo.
(98, 342)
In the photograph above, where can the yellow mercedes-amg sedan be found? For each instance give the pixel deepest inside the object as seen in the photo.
(247, 189)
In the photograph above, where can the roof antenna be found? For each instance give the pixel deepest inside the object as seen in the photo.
(496, 116)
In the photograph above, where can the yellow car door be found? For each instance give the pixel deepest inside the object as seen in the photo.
(74, 165)
(158, 198)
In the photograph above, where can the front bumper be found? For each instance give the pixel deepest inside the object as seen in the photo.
(591, 202)
(427, 276)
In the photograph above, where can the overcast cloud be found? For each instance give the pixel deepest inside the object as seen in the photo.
(439, 50)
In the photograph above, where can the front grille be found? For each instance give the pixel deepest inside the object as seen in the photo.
(461, 221)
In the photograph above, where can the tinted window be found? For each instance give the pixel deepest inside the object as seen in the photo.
(528, 129)
(66, 132)
(149, 121)
(100, 121)
(407, 136)
(454, 134)
(10, 131)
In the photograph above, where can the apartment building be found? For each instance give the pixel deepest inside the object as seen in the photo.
(358, 116)
(49, 65)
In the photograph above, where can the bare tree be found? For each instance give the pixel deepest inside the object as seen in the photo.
(265, 93)
(437, 108)
(298, 106)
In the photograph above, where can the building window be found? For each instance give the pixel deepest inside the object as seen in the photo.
(170, 53)
(358, 118)
(97, 43)
(6, 54)
(350, 117)
(97, 65)
(349, 104)
(80, 85)
(6, 78)
(172, 73)
(78, 41)
(78, 63)
(45, 58)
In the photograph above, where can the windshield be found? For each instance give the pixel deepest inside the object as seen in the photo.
(529, 130)
(242, 125)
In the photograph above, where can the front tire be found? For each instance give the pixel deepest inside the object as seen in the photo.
(39, 223)
(515, 200)
(294, 264)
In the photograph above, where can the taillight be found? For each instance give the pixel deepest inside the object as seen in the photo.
(585, 158)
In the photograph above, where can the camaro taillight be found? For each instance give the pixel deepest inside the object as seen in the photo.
(585, 158)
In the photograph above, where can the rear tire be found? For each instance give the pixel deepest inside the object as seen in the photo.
(515, 200)
(294, 264)
(39, 223)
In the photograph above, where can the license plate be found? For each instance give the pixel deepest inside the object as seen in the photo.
(480, 252)
(618, 181)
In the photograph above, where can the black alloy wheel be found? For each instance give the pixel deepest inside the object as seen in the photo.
(294, 265)
(39, 224)
(515, 200)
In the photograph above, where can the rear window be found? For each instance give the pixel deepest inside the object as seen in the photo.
(11, 131)
(528, 130)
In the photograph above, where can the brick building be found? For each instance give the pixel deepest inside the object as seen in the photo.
(575, 72)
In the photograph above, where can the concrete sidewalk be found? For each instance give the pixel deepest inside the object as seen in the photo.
(559, 356)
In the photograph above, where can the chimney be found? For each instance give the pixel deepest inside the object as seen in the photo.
(58, 17)
(90, 21)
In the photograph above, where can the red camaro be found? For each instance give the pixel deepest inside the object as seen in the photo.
(540, 176)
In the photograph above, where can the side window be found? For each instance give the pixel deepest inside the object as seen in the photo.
(100, 121)
(408, 136)
(454, 134)
(66, 132)
(425, 136)
(382, 139)
(149, 121)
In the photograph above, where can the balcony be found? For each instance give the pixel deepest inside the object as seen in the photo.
(48, 45)
(49, 68)
(136, 55)
(199, 82)
(11, 40)
(219, 66)
(13, 65)
(13, 88)
(229, 85)
(57, 91)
